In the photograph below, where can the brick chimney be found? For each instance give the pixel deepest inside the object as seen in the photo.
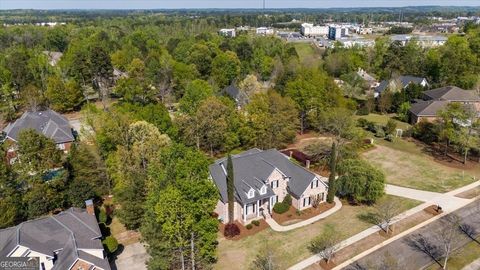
(90, 207)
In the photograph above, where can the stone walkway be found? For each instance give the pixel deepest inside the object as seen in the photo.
(447, 201)
(279, 228)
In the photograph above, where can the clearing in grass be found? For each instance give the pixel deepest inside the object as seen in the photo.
(410, 165)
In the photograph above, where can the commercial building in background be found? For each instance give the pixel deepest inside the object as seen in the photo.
(311, 30)
(265, 31)
(424, 41)
(228, 32)
(337, 31)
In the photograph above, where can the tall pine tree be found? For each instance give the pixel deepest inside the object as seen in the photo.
(333, 167)
(230, 189)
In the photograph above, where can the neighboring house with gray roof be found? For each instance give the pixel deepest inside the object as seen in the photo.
(436, 100)
(240, 98)
(261, 179)
(68, 240)
(48, 123)
(401, 82)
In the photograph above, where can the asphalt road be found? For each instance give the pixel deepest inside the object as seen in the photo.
(409, 252)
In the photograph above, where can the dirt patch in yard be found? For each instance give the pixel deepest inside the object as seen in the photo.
(244, 232)
(293, 215)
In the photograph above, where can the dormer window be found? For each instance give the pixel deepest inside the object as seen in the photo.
(263, 190)
(251, 193)
(314, 183)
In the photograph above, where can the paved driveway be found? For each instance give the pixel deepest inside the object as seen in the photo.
(447, 201)
(133, 257)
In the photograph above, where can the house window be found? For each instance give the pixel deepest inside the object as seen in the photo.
(251, 193)
(306, 201)
(274, 199)
(322, 196)
(263, 190)
(274, 184)
(314, 184)
(61, 146)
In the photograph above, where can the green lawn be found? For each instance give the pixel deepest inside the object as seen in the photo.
(382, 119)
(461, 257)
(307, 52)
(406, 164)
(291, 247)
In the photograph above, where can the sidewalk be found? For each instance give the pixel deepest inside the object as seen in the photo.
(475, 265)
(448, 201)
(279, 228)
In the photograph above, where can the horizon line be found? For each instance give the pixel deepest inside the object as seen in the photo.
(240, 8)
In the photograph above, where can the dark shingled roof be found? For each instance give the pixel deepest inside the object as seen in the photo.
(451, 93)
(68, 232)
(404, 80)
(428, 108)
(252, 169)
(49, 123)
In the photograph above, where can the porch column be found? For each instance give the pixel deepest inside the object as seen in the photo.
(258, 208)
(244, 213)
(270, 203)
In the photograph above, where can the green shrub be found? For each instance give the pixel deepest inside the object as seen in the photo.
(379, 132)
(256, 222)
(281, 208)
(110, 244)
(287, 200)
(390, 138)
(362, 122)
(102, 216)
(249, 226)
(391, 126)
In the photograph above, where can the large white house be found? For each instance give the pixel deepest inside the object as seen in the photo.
(261, 179)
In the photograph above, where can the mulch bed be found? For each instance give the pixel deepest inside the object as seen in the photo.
(244, 232)
(469, 194)
(390, 232)
(327, 266)
(432, 209)
(292, 215)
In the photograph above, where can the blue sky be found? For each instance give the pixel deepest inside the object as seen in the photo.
(161, 4)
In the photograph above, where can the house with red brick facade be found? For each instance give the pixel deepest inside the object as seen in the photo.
(261, 179)
(48, 123)
(435, 100)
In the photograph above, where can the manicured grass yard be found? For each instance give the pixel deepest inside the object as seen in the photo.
(382, 119)
(291, 247)
(406, 164)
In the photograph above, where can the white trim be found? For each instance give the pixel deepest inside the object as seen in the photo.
(263, 190)
(251, 193)
(258, 208)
